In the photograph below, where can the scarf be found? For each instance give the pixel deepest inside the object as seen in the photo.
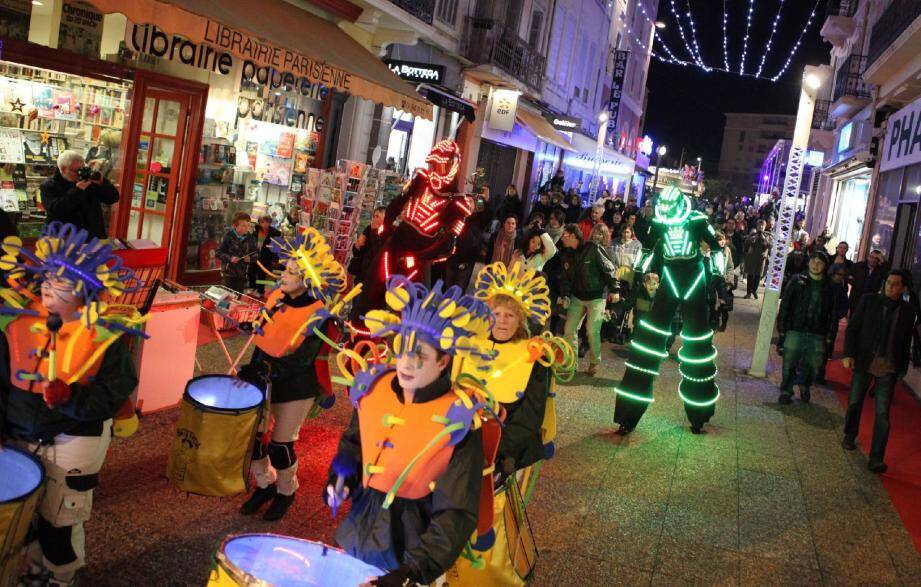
(555, 233)
(504, 247)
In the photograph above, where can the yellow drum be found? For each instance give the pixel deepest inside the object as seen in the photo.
(250, 560)
(512, 557)
(21, 477)
(213, 446)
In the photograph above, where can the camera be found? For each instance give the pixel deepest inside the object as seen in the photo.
(87, 173)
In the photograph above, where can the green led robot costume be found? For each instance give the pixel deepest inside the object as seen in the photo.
(677, 232)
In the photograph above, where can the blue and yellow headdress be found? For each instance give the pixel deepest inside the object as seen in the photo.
(446, 319)
(324, 277)
(67, 253)
(526, 286)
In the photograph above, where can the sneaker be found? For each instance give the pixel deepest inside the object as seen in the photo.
(260, 497)
(747, 297)
(877, 468)
(805, 395)
(755, 295)
(785, 399)
(848, 443)
(279, 506)
(592, 369)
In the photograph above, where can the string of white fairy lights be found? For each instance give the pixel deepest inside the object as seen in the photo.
(693, 49)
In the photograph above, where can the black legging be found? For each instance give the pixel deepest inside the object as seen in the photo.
(751, 283)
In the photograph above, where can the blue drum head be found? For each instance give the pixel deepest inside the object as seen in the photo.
(22, 474)
(221, 392)
(282, 561)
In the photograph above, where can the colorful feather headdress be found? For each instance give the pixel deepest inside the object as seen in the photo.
(66, 253)
(448, 320)
(324, 277)
(526, 286)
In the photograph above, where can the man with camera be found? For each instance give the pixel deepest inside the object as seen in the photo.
(76, 193)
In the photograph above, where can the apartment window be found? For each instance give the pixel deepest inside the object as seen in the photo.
(576, 92)
(513, 14)
(584, 95)
(446, 11)
(741, 136)
(537, 25)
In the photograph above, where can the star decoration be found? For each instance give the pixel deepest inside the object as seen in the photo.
(44, 136)
(17, 105)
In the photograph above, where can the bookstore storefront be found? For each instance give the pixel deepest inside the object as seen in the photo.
(193, 119)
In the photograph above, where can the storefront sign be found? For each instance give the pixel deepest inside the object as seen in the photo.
(586, 162)
(564, 123)
(503, 109)
(81, 29)
(150, 40)
(617, 88)
(903, 139)
(16, 16)
(415, 71)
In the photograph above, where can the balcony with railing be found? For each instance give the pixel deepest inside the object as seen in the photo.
(900, 16)
(424, 10)
(851, 91)
(839, 21)
(488, 41)
(821, 116)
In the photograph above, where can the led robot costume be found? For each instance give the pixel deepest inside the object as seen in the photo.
(431, 213)
(63, 378)
(676, 231)
(292, 339)
(415, 472)
(520, 378)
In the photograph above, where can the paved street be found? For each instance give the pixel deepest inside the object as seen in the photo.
(766, 497)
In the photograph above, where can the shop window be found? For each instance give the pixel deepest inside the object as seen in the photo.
(902, 235)
(890, 186)
(43, 113)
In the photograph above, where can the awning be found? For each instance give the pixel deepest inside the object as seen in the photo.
(445, 98)
(277, 34)
(543, 129)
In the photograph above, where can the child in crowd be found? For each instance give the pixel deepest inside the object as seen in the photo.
(641, 300)
(236, 252)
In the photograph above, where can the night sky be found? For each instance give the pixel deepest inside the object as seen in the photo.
(686, 105)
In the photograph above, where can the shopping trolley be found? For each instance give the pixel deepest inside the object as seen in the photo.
(224, 310)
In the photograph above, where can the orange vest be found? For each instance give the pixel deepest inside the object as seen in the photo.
(385, 451)
(281, 334)
(77, 358)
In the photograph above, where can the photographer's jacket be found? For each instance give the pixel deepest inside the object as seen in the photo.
(65, 202)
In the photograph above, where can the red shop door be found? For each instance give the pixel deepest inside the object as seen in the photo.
(161, 161)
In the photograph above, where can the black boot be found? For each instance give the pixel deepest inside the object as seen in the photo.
(279, 506)
(260, 497)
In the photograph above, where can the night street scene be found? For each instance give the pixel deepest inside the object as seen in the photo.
(460, 293)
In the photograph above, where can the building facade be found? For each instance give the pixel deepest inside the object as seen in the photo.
(747, 139)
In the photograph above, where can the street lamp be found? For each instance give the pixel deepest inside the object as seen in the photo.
(660, 152)
(813, 78)
(599, 155)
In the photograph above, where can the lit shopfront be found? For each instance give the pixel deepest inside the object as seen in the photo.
(194, 119)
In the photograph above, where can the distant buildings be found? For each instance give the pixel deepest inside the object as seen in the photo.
(747, 141)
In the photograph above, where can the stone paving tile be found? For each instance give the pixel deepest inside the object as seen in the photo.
(696, 562)
(866, 561)
(756, 571)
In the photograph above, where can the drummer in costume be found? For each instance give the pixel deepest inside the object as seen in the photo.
(65, 371)
(412, 458)
(292, 343)
(520, 378)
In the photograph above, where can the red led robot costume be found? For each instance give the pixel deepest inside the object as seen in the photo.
(432, 215)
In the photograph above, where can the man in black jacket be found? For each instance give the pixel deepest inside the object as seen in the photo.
(866, 277)
(69, 199)
(587, 270)
(876, 346)
(807, 321)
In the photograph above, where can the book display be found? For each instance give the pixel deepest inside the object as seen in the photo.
(43, 113)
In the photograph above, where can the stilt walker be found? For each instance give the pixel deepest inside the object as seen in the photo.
(677, 231)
